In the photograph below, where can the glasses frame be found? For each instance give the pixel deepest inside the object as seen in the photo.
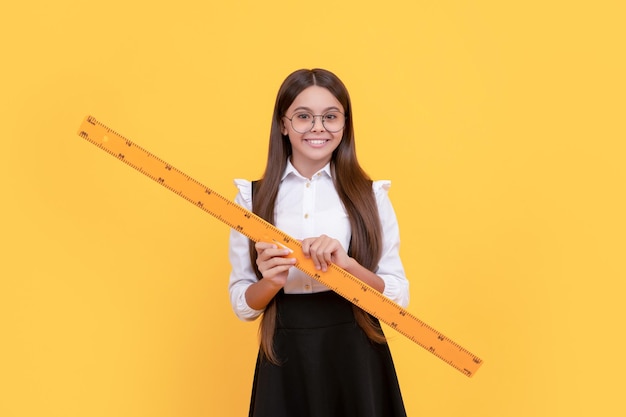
(321, 116)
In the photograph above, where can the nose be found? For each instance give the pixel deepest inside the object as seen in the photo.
(318, 127)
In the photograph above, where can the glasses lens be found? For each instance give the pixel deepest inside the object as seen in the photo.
(303, 122)
(333, 121)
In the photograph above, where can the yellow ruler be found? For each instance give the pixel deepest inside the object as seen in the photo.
(258, 229)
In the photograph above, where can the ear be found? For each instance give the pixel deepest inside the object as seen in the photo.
(283, 127)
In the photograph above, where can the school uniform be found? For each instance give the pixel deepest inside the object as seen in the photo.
(328, 366)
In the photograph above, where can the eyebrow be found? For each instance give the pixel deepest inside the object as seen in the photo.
(324, 111)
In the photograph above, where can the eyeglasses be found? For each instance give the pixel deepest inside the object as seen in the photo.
(303, 122)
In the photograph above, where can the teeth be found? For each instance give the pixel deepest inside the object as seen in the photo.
(317, 142)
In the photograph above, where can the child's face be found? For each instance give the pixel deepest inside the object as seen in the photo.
(313, 149)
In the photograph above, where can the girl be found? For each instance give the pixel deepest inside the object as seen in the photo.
(320, 356)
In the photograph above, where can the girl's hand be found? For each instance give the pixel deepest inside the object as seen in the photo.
(324, 250)
(273, 263)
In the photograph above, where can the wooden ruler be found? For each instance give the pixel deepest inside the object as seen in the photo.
(257, 229)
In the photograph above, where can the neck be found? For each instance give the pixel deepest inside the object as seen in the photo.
(309, 169)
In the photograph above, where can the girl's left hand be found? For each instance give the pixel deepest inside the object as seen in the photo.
(324, 250)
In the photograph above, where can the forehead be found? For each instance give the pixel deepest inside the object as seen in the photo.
(317, 99)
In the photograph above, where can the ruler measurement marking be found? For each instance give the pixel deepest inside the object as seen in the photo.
(255, 228)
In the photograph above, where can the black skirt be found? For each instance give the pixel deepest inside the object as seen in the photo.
(328, 366)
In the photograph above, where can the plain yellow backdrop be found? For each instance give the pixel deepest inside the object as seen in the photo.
(500, 124)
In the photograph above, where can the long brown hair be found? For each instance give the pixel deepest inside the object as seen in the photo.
(353, 185)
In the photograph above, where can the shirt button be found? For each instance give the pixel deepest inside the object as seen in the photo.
(306, 215)
(307, 287)
(308, 184)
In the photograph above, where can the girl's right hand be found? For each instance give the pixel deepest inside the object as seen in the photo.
(273, 262)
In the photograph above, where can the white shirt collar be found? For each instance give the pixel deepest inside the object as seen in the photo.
(290, 169)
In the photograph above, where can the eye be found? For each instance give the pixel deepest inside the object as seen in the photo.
(331, 116)
(303, 116)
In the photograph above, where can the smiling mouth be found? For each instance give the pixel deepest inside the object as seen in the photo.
(317, 141)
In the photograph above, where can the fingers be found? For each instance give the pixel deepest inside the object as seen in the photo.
(323, 251)
(272, 261)
(269, 250)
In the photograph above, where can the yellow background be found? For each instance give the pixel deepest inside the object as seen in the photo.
(501, 125)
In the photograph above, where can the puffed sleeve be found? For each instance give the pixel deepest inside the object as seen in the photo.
(390, 267)
(242, 275)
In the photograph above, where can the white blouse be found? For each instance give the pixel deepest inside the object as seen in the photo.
(309, 208)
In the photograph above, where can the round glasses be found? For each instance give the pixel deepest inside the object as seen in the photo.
(303, 121)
